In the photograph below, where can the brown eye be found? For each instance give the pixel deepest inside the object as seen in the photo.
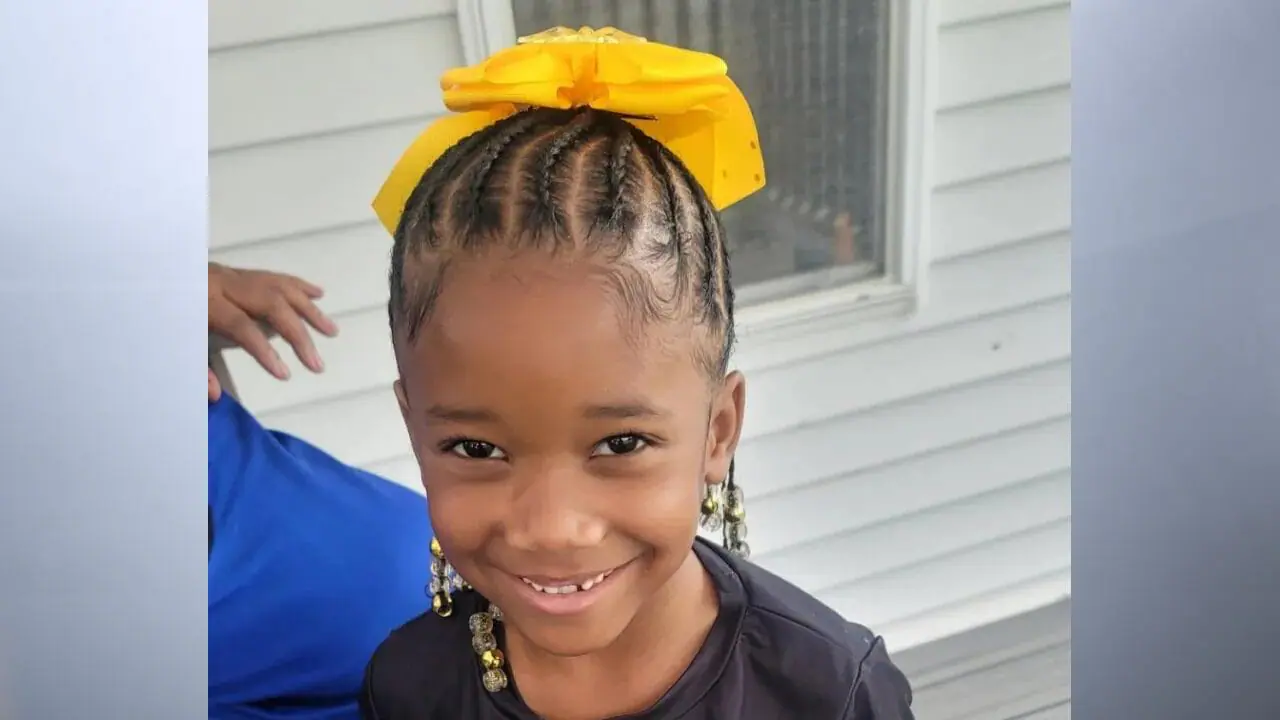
(621, 445)
(476, 450)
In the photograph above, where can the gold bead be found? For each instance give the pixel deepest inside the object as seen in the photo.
(436, 550)
(710, 506)
(492, 659)
(737, 513)
(442, 604)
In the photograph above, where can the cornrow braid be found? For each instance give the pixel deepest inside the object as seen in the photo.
(485, 210)
(559, 145)
(717, 282)
(578, 179)
(613, 213)
(672, 216)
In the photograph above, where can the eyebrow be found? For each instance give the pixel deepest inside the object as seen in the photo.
(622, 411)
(444, 413)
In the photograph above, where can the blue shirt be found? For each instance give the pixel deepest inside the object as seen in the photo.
(313, 563)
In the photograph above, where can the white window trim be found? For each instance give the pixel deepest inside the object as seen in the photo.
(489, 25)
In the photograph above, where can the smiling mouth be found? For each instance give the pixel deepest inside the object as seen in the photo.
(568, 588)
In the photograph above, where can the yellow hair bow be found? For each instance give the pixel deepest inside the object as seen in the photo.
(683, 99)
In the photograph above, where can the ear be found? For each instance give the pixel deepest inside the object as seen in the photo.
(402, 399)
(727, 410)
(403, 402)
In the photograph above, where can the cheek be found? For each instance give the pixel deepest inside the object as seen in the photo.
(463, 513)
(660, 508)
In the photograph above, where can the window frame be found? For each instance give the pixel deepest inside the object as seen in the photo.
(489, 25)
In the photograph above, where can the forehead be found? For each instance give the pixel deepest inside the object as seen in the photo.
(526, 322)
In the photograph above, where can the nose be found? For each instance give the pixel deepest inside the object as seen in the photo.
(552, 512)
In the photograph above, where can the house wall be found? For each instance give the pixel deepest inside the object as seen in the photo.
(914, 472)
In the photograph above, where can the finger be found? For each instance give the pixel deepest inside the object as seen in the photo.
(312, 313)
(288, 323)
(215, 389)
(311, 290)
(245, 332)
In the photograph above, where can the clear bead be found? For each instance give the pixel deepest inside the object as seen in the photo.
(495, 613)
(483, 641)
(435, 586)
(495, 680)
(741, 549)
(437, 567)
(734, 496)
(737, 532)
(711, 523)
(481, 623)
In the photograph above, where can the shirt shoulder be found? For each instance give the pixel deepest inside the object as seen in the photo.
(839, 668)
(418, 671)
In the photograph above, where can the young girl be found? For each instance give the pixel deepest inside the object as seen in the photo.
(562, 316)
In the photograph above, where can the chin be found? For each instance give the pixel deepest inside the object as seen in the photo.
(573, 639)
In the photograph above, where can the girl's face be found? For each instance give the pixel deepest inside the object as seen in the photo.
(564, 450)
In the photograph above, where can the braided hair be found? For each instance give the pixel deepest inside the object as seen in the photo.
(579, 180)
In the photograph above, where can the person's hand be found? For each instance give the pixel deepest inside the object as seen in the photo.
(239, 300)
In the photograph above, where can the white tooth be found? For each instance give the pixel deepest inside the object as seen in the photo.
(589, 584)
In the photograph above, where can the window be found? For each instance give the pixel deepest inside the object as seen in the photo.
(817, 74)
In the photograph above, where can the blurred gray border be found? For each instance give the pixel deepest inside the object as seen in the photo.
(1176, 384)
(104, 230)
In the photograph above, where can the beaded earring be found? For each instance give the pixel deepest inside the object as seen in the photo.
(485, 644)
(723, 510)
(445, 581)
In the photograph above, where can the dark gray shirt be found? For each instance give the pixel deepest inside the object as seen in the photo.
(773, 653)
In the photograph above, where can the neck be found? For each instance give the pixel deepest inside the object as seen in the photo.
(637, 669)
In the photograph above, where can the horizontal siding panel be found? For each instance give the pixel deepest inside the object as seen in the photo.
(304, 185)
(982, 460)
(954, 578)
(860, 553)
(1059, 712)
(325, 83)
(818, 390)
(895, 432)
(1003, 136)
(1004, 209)
(954, 12)
(1009, 690)
(1004, 56)
(1001, 603)
(350, 263)
(826, 489)
(979, 648)
(237, 22)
